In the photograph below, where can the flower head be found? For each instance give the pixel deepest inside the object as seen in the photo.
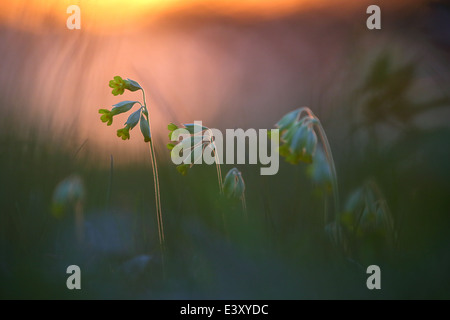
(106, 116)
(300, 142)
(124, 133)
(118, 85)
(183, 169)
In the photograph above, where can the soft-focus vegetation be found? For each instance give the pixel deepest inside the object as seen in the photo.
(310, 231)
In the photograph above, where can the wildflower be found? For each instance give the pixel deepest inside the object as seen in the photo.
(300, 142)
(183, 169)
(66, 194)
(124, 133)
(234, 185)
(106, 116)
(118, 85)
(121, 107)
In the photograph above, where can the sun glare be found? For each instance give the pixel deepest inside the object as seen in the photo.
(109, 16)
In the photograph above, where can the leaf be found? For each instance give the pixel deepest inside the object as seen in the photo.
(172, 126)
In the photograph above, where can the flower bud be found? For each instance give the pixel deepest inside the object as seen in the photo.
(234, 186)
(132, 85)
(133, 119)
(145, 129)
(66, 194)
(122, 107)
(288, 120)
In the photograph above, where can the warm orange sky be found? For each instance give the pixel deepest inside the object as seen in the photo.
(117, 15)
(219, 70)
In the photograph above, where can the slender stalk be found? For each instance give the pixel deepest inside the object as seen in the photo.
(111, 170)
(244, 205)
(155, 180)
(216, 157)
(329, 155)
(327, 149)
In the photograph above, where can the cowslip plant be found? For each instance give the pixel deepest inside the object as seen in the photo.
(69, 195)
(234, 186)
(300, 133)
(141, 117)
(196, 141)
(366, 220)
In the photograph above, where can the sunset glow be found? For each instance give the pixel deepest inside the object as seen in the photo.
(107, 16)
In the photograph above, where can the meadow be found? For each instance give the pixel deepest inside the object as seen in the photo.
(69, 195)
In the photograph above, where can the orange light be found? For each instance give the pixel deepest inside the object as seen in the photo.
(110, 16)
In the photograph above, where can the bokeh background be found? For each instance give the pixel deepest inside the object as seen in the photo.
(381, 95)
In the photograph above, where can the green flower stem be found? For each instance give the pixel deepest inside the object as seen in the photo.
(329, 155)
(216, 157)
(155, 178)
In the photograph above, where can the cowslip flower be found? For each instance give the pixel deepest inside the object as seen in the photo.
(121, 107)
(300, 142)
(124, 133)
(106, 116)
(118, 85)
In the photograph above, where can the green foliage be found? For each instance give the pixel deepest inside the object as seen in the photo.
(367, 223)
(386, 93)
(66, 194)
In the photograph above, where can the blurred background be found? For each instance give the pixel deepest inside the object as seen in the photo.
(382, 97)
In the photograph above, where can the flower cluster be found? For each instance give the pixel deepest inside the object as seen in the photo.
(366, 213)
(139, 116)
(298, 140)
(196, 141)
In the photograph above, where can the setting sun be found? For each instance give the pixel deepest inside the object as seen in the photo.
(108, 16)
